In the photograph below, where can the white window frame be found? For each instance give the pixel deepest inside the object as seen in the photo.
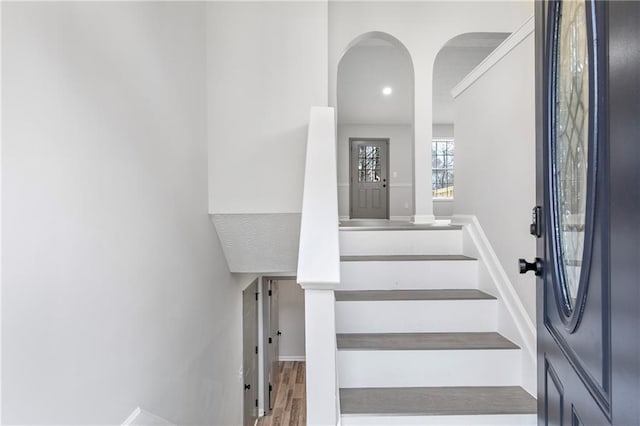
(448, 140)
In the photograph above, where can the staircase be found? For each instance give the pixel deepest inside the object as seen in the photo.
(417, 340)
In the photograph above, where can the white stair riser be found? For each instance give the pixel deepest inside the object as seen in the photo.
(368, 368)
(480, 420)
(400, 242)
(414, 316)
(390, 275)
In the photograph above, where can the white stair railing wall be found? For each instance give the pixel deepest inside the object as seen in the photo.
(319, 266)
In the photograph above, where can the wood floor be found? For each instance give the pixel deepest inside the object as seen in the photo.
(290, 408)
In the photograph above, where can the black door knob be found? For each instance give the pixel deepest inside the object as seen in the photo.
(279, 333)
(535, 266)
(247, 387)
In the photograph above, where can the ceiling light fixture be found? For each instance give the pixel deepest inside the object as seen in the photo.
(387, 91)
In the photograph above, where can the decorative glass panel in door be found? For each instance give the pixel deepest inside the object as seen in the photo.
(570, 142)
(368, 189)
(368, 163)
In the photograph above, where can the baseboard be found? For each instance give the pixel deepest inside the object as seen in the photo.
(507, 293)
(400, 218)
(292, 358)
(142, 417)
(423, 218)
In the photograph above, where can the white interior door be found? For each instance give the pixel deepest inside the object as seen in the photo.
(250, 352)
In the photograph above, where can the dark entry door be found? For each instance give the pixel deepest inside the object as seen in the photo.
(588, 158)
(368, 187)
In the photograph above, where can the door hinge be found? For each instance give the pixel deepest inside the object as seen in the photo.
(270, 387)
(257, 296)
(256, 349)
(269, 292)
(256, 402)
(270, 340)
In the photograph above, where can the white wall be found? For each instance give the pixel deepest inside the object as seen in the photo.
(443, 208)
(291, 319)
(424, 28)
(268, 66)
(400, 165)
(259, 243)
(495, 160)
(115, 289)
(1, 221)
(442, 130)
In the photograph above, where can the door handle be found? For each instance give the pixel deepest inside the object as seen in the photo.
(279, 333)
(247, 387)
(535, 266)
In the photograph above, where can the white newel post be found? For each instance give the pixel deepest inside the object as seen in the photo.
(320, 347)
(319, 267)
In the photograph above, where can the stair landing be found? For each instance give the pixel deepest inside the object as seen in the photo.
(392, 225)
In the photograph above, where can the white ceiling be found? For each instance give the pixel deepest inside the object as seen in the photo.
(373, 64)
(364, 71)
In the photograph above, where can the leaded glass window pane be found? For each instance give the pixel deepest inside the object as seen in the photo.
(442, 168)
(368, 163)
(570, 145)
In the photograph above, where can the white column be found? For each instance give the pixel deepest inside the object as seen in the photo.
(422, 197)
(320, 352)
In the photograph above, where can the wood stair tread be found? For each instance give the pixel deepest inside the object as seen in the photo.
(423, 341)
(431, 401)
(406, 258)
(394, 295)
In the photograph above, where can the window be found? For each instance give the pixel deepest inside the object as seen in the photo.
(442, 168)
(368, 163)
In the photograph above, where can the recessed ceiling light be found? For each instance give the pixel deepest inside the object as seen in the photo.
(387, 91)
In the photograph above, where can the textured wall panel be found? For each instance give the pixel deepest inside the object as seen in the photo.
(259, 242)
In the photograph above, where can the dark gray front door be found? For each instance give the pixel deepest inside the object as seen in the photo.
(588, 158)
(250, 353)
(369, 186)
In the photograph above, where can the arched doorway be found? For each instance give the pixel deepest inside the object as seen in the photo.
(375, 108)
(457, 58)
